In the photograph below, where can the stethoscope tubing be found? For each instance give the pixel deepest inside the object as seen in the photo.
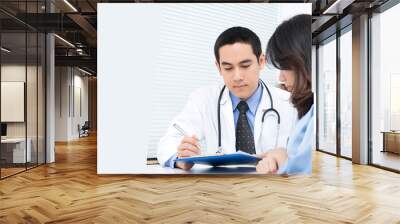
(265, 112)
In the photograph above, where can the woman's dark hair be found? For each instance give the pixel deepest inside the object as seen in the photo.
(290, 49)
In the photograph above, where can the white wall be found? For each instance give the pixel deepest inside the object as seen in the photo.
(79, 117)
(67, 114)
(61, 103)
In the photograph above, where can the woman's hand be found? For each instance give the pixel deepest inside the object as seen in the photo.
(272, 160)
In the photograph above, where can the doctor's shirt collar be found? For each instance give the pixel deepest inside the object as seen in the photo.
(253, 101)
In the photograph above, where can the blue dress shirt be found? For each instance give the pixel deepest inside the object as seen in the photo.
(253, 101)
(299, 147)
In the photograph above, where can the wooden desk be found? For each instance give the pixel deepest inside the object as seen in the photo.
(13, 150)
(391, 141)
(202, 169)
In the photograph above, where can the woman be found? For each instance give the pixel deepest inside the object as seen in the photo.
(289, 50)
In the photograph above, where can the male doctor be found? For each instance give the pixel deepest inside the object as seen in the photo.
(239, 60)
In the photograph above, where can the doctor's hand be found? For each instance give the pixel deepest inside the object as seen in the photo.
(189, 147)
(272, 160)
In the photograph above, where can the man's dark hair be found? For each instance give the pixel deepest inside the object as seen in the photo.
(238, 34)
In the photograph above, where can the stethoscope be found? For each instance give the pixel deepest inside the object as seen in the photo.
(265, 112)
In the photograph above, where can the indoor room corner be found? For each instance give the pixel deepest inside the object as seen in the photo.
(54, 118)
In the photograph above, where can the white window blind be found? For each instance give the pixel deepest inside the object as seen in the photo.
(185, 60)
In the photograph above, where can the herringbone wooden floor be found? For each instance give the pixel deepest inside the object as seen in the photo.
(70, 191)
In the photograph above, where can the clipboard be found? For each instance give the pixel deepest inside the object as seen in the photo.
(237, 158)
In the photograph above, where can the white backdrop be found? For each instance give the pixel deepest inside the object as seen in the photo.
(151, 57)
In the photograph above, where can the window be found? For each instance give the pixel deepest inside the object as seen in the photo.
(385, 89)
(22, 88)
(327, 96)
(346, 94)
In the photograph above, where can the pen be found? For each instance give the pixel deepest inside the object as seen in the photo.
(183, 132)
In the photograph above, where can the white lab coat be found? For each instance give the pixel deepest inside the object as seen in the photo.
(199, 117)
